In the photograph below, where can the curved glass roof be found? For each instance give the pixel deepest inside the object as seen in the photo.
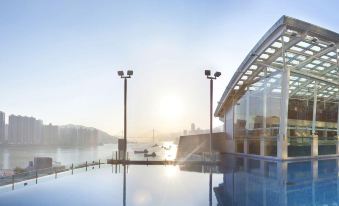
(309, 51)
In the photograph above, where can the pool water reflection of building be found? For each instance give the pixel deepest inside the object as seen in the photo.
(259, 182)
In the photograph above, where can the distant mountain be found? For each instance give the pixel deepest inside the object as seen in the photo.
(104, 137)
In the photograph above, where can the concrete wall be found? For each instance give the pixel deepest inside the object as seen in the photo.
(197, 144)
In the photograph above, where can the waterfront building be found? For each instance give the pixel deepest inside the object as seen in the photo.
(2, 127)
(282, 101)
(50, 134)
(13, 129)
(38, 132)
(24, 130)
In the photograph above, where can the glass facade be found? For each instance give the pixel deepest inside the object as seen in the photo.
(283, 100)
(310, 116)
(257, 114)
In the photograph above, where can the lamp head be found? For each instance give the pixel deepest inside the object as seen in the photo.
(217, 74)
(121, 73)
(207, 72)
(129, 72)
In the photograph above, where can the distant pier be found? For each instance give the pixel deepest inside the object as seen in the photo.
(161, 162)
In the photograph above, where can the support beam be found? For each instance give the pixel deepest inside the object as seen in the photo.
(282, 138)
(264, 105)
(315, 56)
(247, 127)
(314, 121)
(338, 130)
(303, 85)
(315, 77)
(274, 57)
(314, 115)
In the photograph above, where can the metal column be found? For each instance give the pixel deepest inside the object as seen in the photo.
(247, 121)
(314, 121)
(262, 138)
(338, 131)
(285, 80)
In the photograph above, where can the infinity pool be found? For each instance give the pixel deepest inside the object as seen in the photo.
(153, 185)
(236, 182)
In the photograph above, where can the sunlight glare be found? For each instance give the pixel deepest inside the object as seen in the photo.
(171, 171)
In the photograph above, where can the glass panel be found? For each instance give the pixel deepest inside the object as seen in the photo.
(271, 148)
(229, 123)
(240, 118)
(239, 146)
(326, 126)
(257, 111)
(254, 146)
(300, 113)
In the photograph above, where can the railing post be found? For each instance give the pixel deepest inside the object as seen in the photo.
(86, 166)
(72, 168)
(116, 155)
(99, 164)
(56, 173)
(36, 177)
(12, 182)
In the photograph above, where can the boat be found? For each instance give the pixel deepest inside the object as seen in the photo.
(150, 155)
(145, 151)
(156, 145)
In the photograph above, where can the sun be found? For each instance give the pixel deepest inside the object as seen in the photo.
(171, 107)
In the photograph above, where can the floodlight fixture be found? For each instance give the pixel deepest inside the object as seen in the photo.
(207, 72)
(294, 34)
(314, 39)
(217, 74)
(121, 73)
(129, 72)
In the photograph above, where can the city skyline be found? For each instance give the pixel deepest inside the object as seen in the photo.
(24, 130)
(64, 69)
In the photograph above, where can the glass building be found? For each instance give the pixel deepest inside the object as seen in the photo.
(282, 102)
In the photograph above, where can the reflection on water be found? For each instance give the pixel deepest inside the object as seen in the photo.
(142, 196)
(237, 181)
(258, 182)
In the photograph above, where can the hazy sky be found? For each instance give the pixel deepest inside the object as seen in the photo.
(58, 59)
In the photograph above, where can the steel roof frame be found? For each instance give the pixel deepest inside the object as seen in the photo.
(308, 53)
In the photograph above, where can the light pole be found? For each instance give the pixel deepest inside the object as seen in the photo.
(125, 77)
(211, 78)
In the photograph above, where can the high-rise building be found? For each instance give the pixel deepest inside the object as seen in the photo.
(38, 132)
(2, 127)
(30, 131)
(50, 134)
(13, 130)
(24, 130)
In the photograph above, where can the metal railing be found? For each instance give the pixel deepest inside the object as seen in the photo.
(34, 176)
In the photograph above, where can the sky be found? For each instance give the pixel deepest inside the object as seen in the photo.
(58, 59)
